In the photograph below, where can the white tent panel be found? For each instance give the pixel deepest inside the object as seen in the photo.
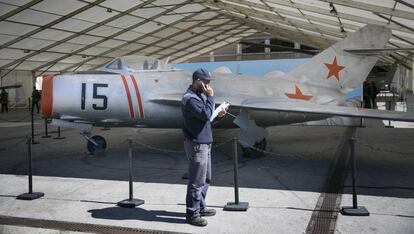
(125, 21)
(129, 35)
(149, 50)
(148, 12)
(33, 17)
(29, 65)
(147, 27)
(121, 5)
(72, 59)
(104, 31)
(95, 14)
(117, 53)
(11, 53)
(66, 47)
(165, 33)
(314, 3)
(52, 34)
(351, 22)
(148, 40)
(168, 19)
(6, 38)
(46, 57)
(58, 67)
(132, 46)
(94, 50)
(322, 16)
(60, 7)
(31, 44)
(166, 43)
(98, 61)
(384, 3)
(167, 2)
(186, 24)
(16, 2)
(111, 43)
(5, 61)
(15, 28)
(5, 8)
(183, 36)
(188, 8)
(205, 15)
(74, 25)
(165, 51)
(84, 40)
(276, 7)
(406, 22)
(403, 7)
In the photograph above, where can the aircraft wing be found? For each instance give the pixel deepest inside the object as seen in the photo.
(312, 108)
(283, 105)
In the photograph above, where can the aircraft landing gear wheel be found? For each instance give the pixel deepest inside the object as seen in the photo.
(249, 152)
(101, 144)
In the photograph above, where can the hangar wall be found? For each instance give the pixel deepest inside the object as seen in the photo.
(18, 97)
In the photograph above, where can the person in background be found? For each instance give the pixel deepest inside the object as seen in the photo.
(35, 99)
(4, 100)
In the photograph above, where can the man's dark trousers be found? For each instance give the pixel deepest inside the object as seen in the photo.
(199, 176)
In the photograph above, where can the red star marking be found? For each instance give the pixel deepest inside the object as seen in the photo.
(334, 69)
(298, 95)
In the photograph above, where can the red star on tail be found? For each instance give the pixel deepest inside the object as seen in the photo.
(334, 69)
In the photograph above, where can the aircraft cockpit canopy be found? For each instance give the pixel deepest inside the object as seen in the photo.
(135, 63)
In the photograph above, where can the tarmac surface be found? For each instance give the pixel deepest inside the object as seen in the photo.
(298, 186)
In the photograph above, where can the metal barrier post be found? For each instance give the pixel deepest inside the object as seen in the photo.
(236, 206)
(30, 195)
(32, 125)
(354, 210)
(131, 202)
(46, 135)
(58, 136)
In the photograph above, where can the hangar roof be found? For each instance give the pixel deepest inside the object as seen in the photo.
(68, 35)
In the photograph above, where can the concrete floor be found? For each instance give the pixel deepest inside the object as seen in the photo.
(282, 188)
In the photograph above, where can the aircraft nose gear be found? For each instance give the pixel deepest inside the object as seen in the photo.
(95, 144)
(257, 150)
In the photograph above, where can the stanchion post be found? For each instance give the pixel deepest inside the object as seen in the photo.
(59, 137)
(131, 202)
(30, 195)
(46, 134)
(354, 210)
(32, 126)
(236, 205)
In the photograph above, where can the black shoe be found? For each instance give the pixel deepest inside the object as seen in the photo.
(208, 212)
(196, 221)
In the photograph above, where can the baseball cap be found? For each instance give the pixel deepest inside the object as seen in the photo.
(202, 74)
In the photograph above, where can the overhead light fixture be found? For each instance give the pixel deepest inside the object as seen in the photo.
(109, 10)
(333, 9)
(343, 30)
(26, 51)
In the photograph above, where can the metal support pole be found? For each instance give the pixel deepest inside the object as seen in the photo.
(58, 136)
(46, 135)
(236, 206)
(32, 126)
(30, 195)
(355, 210)
(131, 202)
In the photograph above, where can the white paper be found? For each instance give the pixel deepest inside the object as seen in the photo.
(222, 107)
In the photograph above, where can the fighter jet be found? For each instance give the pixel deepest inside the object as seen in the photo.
(138, 91)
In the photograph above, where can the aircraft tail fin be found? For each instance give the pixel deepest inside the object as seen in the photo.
(335, 68)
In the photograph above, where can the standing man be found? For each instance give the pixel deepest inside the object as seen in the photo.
(35, 99)
(197, 107)
(4, 100)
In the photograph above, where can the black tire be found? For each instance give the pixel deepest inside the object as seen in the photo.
(92, 148)
(250, 152)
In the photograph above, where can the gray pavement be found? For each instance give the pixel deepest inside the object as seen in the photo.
(282, 188)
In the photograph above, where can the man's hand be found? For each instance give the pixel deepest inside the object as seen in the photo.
(222, 113)
(207, 90)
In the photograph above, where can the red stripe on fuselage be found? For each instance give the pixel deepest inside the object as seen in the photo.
(131, 108)
(141, 108)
